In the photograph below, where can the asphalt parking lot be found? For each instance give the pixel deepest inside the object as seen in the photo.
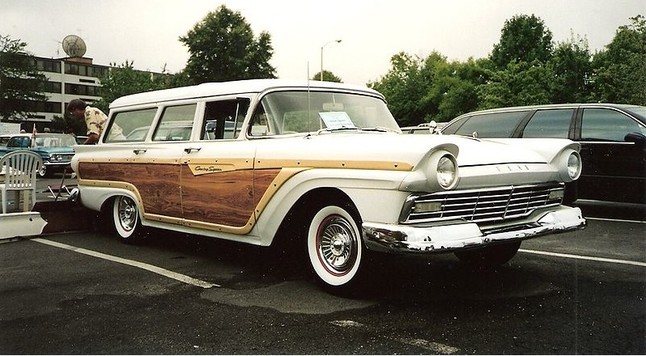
(85, 292)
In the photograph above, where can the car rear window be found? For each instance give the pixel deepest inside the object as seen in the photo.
(492, 125)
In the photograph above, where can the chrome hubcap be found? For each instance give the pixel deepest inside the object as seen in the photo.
(337, 244)
(127, 214)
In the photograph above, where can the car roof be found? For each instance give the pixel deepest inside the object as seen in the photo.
(39, 134)
(231, 88)
(554, 106)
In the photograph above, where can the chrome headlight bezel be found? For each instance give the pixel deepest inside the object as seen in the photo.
(571, 166)
(574, 165)
(446, 171)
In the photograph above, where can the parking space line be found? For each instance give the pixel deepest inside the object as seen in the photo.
(588, 258)
(616, 220)
(434, 347)
(161, 271)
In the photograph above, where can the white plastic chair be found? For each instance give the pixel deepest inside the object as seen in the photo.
(19, 169)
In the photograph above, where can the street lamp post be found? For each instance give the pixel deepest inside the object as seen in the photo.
(323, 46)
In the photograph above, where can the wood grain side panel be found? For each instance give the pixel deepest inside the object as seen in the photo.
(224, 198)
(157, 184)
(263, 179)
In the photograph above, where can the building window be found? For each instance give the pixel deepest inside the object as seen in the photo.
(71, 68)
(53, 87)
(79, 89)
(48, 66)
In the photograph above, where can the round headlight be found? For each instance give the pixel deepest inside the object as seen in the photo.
(574, 165)
(447, 172)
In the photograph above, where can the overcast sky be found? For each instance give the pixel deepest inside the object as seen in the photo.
(147, 32)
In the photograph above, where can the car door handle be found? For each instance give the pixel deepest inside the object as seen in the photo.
(192, 149)
(139, 150)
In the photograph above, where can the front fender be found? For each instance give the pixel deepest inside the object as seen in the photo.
(363, 187)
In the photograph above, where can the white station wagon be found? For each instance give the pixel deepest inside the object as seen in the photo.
(324, 166)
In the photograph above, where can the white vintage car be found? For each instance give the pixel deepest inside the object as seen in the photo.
(325, 166)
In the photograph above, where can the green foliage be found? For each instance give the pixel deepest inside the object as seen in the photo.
(420, 90)
(620, 70)
(572, 67)
(222, 47)
(123, 80)
(327, 77)
(523, 39)
(520, 83)
(21, 85)
(404, 87)
(524, 68)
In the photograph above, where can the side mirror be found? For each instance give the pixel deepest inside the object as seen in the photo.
(637, 138)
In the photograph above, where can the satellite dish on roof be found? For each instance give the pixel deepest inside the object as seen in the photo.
(74, 46)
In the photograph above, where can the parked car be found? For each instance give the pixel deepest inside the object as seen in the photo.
(322, 166)
(4, 139)
(425, 128)
(612, 138)
(55, 149)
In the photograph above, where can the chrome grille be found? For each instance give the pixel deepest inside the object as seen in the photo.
(483, 205)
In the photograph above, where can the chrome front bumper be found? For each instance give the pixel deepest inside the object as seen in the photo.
(461, 235)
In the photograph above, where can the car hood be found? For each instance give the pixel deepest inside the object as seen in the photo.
(52, 150)
(410, 149)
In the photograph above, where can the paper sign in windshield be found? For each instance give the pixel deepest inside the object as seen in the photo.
(336, 119)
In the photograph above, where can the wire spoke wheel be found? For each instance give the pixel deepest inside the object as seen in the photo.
(125, 217)
(334, 246)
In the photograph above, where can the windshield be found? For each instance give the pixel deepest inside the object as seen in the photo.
(294, 112)
(55, 141)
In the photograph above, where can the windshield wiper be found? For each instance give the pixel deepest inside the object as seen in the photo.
(336, 129)
(378, 129)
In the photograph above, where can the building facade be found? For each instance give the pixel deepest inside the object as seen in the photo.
(68, 78)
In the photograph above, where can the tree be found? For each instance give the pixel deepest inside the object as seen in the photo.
(571, 64)
(123, 80)
(222, 47)
(452, 89)
(523, 39)
(620, 70)
(520, 83)
(327, 77)
(404, 88)
(21, 85)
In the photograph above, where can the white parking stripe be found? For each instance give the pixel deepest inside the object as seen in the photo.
(588, 258)
(617, 220)
(161, 271)
(434, 347)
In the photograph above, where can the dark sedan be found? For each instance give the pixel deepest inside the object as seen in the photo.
(612, 137)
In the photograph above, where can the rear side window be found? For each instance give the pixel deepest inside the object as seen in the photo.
(223, 118)
(549, 124)
(130, 125)
(175, 123)
(494, 125)
(607, 125)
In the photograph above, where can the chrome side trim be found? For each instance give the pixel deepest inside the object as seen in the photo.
(460, 235)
